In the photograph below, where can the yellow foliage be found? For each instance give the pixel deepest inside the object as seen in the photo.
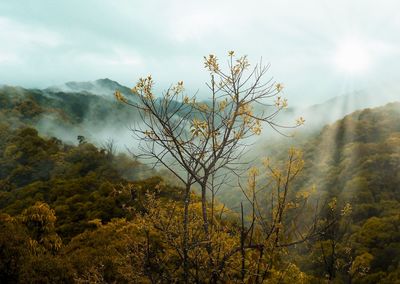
(118, 95)
(279, 87)
(211, 63)
(300, 121)
(346, 210)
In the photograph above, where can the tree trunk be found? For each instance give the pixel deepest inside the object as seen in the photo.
(214, 274)
(186, 234)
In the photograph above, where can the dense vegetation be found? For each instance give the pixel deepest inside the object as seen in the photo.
(57, 192)
(78, 182)
(83, 214)
(65, 114)
(68, 214)
(357, 159)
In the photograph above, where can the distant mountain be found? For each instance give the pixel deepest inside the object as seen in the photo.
(89, 109)
(337, 107)
(102, 87)
(68, 114)
(316, 115)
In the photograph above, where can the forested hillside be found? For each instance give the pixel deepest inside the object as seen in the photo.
(86, 214)
(67, 114)
(357, 160)
(57, 192)
(200, 142)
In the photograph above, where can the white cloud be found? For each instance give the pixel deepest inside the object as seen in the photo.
(18, 41)
(190, 21)
(15, 34)
(8, 57)
(44, 44)
(117, 57)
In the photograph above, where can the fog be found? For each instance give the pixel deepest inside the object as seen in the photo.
(103, 118)
(318, 49)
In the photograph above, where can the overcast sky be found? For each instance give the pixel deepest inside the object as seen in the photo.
(317, 48)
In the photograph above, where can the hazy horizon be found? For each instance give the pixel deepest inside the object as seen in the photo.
(318, 49)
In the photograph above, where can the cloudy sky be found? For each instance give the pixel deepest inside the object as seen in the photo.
(317, 48)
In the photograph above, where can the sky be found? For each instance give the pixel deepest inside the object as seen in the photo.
(316, 48)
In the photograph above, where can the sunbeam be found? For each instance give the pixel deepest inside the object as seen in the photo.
(352, 57)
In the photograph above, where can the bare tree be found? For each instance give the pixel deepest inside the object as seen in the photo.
(110, 148)
(196, 140)
(248, 249)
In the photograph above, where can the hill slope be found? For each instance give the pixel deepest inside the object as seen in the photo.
(102, 87)
(356, 160)
(67, 115)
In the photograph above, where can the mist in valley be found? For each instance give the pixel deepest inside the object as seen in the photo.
(212, 142)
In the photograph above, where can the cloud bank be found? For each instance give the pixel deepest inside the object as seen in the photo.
(47, 43)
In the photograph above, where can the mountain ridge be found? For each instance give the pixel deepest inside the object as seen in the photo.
(103, 87)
